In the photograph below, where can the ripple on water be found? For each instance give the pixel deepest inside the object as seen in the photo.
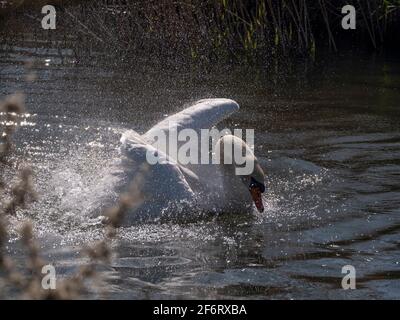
(332, 187)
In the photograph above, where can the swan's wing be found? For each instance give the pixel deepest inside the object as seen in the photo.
(130, 137)
(163, 184)
(165, 171)
(131, 140)
(204, 114)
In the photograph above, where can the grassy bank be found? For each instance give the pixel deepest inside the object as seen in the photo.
(255, 31)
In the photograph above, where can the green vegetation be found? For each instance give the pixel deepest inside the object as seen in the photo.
(219, 30)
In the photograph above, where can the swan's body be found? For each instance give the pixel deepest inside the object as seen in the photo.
(170, 187)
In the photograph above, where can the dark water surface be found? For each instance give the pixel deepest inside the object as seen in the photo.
(329, 142)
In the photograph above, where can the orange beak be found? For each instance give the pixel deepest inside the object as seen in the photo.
(257, 198)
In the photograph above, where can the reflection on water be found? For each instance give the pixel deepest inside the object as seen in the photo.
(329, 142)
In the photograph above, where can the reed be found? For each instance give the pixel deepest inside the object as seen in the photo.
(228, 30)
(219, 30)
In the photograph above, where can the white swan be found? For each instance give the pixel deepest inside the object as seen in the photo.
(172, 188)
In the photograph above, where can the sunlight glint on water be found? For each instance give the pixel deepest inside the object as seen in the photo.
(331, 154)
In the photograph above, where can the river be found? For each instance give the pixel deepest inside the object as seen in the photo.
(329, 142)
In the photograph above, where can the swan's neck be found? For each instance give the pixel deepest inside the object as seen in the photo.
(237, 198)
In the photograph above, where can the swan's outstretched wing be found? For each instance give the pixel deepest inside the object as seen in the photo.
(204, 114)
(164, 183)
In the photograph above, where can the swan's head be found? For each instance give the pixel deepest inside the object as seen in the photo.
(246, 168)
(256, 186)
